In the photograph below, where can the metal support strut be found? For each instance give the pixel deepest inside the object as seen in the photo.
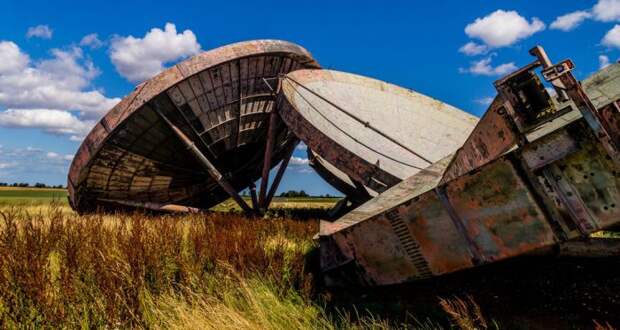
(267, 162)
(280, 173)
(264, 196)
(211, 169)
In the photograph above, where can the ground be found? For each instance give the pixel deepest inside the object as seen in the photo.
(221, 270)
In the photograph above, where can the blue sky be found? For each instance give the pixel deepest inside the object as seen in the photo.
(54, 82)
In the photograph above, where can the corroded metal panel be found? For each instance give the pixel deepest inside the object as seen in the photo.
(441, 243)
(492, 137)
(552, 147)
(377, 250)
(595, 181)
(499, 212)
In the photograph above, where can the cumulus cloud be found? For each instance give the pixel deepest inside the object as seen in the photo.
(53, 94)
(471, 48)
(56, 156)
(484, 101)
(603, 11)
(138, 59)
(12, 60)
(483, 67)
(62, 82)
(612, 37)
(603, 61)
(91, 40)
(606, 10)
(299, 161)
(503, 28)
(570, 21)
(39, 31)
(50, 121)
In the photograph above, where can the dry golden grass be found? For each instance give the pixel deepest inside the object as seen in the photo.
(194, 271)
(61, 269)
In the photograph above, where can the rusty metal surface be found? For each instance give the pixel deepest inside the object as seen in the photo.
(357, 123)
(522, 182)
(218, 99)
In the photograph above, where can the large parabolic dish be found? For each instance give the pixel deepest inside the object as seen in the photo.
(374, 132)
(146, 151)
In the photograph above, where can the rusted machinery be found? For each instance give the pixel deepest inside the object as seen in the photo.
(535, 172)
(193, 136)
(436, 190)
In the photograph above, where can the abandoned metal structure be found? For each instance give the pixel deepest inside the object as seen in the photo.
(536, 171)
(193, 136)
(436, 190)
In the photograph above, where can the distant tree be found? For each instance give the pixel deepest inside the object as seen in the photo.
(40, 185)
(3, 184)
(294, 193)
(23, 184)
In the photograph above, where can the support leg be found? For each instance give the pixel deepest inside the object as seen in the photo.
(280, 173)
(211, 169)
(267, 163)
(255, 205)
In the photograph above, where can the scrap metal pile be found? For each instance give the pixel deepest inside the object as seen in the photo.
(430, 189)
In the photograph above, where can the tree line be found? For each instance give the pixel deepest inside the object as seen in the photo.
(27, 185)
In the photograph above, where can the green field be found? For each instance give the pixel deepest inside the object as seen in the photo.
(31, 195)
(45, 195)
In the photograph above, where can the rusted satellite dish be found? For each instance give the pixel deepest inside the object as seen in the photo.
(374, 133)
(192, 136)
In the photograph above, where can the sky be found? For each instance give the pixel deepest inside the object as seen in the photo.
(63, 64)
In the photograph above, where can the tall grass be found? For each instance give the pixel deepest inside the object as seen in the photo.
(196, 271)
(60, 269)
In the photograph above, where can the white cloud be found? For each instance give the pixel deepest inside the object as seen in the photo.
(484, 100)
(39, 31)
(484, 68)
(612, 37)
(471, 48)
(53, 94)
(603, 61)
(50, 121)
(7, 165)
(570, 21)
(606, 10)
(300, 165)
(12, 60)
(503, 28)
(91, 40)
(603, 11)
(61, 82)
(56, 156)
(299, 161)
(138, 59)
